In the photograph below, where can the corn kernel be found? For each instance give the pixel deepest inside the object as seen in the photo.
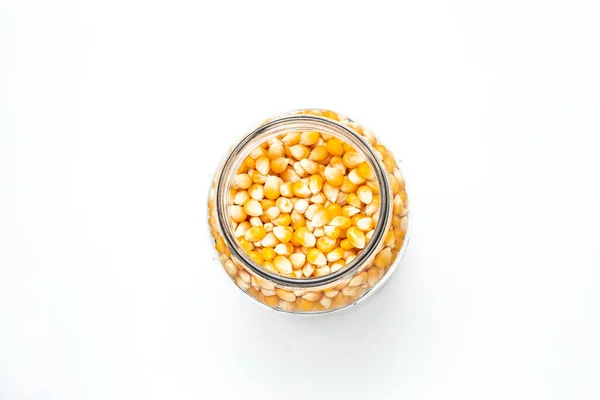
(345, 244)
(282, 220)
(284, 205)
(291, 139)
(267, 253)
(352, 159)
(321, 218)
(283, 233)
(255, 233)
(279, 164)
(332, 232)
(263, 165)
(356, 237)
(297, 260)
(301, 189)
(365, 171)
(365, 224)
(342, 222)
(283, 265)
(256, 257)
(383, 258)
(305, 237)
(309, 138)
(334, 176)
(309, 166)
(299, 151)
(237, 213)
(256, 192)
(334, 147)
(355, 178)
(319, 153)
(365, 194)
(242, 181)
(326, 244)
(335, 254)
(353, 200)
(316, 257)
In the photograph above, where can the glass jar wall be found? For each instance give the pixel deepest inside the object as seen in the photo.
(310, 283)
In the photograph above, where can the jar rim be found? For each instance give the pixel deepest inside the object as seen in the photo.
(258, 136)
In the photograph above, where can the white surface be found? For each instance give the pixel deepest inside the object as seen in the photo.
(113, 115)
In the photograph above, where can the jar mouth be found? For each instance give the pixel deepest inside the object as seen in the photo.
(277, 127)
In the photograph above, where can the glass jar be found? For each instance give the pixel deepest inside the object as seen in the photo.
(337, 290)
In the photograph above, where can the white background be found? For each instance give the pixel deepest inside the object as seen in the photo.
(114, 114)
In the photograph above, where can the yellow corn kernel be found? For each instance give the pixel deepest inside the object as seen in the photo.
(356, 237)
(298, 220)
(270, 240)
(304, 304)
(299, 170)
(276, 150)
(355, 218)
(334, 210)
(372, 276)
(253, 208)
(332, 232)
(398, 205)
(310, 166)
(255, 233)
(334, 176)
(283, 233)
(242, 228)
(318, 232)
(272, 188)
(246, 245)
(341, 221)
(331, 192)
(257, 177)
(345, 244)
(301, 189)
(241, 197)
(365, 224)
(308, 269)
(334, 147)
(355, 178)
(256, 257)
(365, 194)
(237, 213)
(250, 162)
(403, 196)
(282, 264)
(337, 163)
(348, 186)
(316, 257)
(319, 153)
(390, 239)
(242, 181)
(289, 175)
(353, 200)
(305, 237)
(286, 189)
(291, 138)
(309, 138)
(299, 151)
(272, 301)
(365, 171)
(373, 207)
(258, 152)
(267, 253)
(266, 204)
(321, 218)
(315, 183)
(300, 206)
(256, 192)
(279, 164)
(318, 198)
(352, 159)
(297, 260)
(335, 254)
(326, 244)
(263, 165)
(349, 211)
(282, 220)
(284, 205)
(383, 258)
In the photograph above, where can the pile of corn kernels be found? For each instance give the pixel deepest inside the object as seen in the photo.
(310, 241)
(304, 204)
